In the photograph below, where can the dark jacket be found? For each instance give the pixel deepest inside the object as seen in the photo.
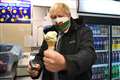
(77, 47)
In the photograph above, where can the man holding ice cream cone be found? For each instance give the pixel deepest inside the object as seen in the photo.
(67, 52)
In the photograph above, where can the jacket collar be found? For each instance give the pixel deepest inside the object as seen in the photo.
(74, 26)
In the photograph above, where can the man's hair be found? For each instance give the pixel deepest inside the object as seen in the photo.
(59, 7)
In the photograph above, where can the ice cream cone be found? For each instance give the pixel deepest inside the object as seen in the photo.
(51, 38)
(51, 44)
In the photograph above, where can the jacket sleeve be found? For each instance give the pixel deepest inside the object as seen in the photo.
(81, 61)
(39, 58)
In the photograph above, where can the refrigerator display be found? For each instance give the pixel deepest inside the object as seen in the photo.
(101, 37)
(115, 52)
(100, 70)
(102, 16)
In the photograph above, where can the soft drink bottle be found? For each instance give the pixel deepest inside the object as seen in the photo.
(119, 55)
(106, 73)
(117, 71)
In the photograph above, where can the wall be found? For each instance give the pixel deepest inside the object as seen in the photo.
(38, 14)
(16, 34)
(48, 3)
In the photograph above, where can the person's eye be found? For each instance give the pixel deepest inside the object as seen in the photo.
(60, 16)
(53, 17)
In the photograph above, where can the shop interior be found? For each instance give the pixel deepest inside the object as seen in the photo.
(21, 34)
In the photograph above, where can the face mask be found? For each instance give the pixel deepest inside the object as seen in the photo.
(64, 23)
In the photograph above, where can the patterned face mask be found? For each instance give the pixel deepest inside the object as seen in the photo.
(62, 23)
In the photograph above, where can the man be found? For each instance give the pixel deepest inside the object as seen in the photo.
(74, 54)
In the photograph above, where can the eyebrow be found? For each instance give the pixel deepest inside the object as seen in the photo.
(56, 16)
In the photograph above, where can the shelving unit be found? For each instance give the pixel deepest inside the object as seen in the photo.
(106, 43)
(101, 42)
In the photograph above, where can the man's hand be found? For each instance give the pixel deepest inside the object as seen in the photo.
(54, 61)
(33, 72)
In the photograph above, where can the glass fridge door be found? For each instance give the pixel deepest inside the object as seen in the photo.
(115, 52)
(100, 70)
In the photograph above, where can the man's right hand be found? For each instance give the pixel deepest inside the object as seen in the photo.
(33, 72)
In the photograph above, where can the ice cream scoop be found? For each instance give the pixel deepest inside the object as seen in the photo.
(51, 38)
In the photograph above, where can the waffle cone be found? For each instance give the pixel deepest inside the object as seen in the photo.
(51, 44)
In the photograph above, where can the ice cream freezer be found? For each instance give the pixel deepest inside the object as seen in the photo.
(9, 57)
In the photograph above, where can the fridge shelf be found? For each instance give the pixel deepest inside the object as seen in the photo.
(118, 36)
(98, 51)
(116, 78)
(116, 50)
(101, 36)
(116, 63)
(99, 65)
